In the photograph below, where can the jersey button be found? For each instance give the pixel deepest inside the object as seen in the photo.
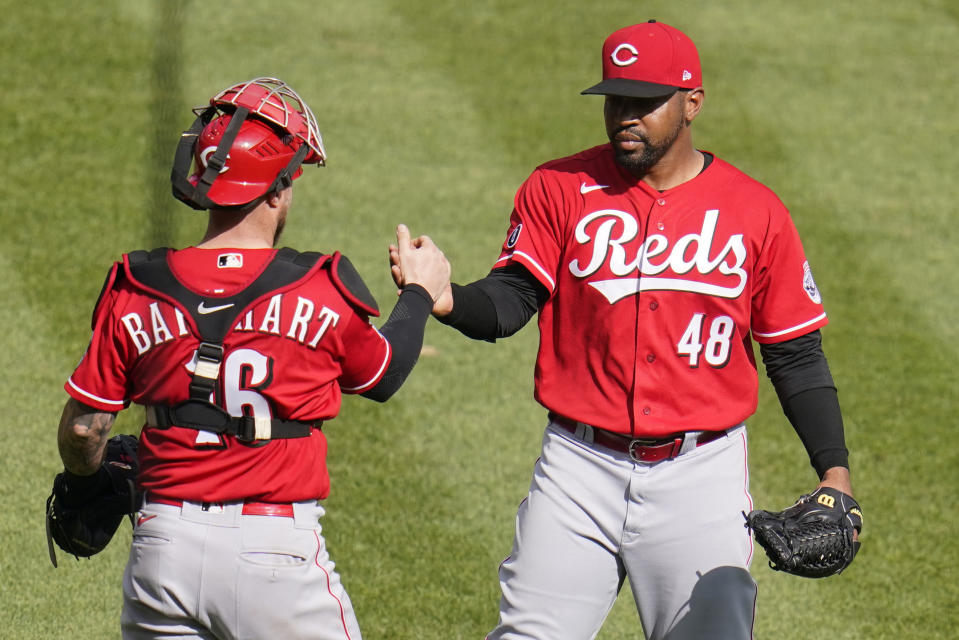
(646, 411)
(661, 202)
(654, 305)
(650, 357)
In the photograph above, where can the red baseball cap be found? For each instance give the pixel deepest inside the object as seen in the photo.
(648, 60)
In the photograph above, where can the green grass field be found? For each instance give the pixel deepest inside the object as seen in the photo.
(433, 113)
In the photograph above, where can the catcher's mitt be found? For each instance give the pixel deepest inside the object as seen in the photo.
(814, 537)
(83, 522)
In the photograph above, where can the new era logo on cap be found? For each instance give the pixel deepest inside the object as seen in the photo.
(648, 60)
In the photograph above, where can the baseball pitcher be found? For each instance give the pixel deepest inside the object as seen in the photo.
(653, 267)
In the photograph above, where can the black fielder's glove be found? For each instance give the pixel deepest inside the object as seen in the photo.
(83, 513)
(814, 537)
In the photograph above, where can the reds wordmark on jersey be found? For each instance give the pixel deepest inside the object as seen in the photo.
(288, 356)
(676, 284)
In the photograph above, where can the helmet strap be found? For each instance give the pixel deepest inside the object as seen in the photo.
(195, 196)
(183, 159)
(217, 160)
(284, 178)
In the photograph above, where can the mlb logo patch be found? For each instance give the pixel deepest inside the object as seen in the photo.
(229, 260)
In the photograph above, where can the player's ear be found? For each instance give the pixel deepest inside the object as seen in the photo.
(275, 198)
(693, 103)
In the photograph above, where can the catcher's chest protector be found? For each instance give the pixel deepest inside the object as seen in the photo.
(151, 272)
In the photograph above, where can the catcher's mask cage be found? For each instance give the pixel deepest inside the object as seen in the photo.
(250, 140)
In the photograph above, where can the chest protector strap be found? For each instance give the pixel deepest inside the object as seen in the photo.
(151, 272)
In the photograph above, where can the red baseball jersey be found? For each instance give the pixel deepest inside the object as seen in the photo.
(656, 296)
(289, 356)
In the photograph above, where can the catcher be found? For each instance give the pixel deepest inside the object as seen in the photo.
(238, 352)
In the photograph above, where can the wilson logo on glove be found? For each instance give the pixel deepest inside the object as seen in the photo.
(814, 538)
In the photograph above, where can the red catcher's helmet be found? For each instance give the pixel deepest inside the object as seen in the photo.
(250, 140)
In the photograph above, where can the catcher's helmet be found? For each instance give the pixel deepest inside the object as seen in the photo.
(250, 140)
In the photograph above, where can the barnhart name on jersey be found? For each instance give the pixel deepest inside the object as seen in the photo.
(303, 326)
(289, 353)
(608, 230)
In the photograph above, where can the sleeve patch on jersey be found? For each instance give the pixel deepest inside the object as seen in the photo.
(514, 236)
(809, 284)
(347, 279)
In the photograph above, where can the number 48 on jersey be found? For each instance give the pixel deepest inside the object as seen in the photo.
(715, 349)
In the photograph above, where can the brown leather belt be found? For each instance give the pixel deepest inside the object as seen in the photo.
(282, 510)
(639, 449)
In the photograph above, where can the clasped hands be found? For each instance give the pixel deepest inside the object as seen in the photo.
(419, 261)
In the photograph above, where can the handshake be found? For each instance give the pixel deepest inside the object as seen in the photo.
(419, 261)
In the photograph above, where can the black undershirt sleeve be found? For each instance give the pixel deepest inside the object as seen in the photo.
(800, 374)
(404, 331)
(497, 306)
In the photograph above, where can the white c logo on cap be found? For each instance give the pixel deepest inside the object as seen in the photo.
(614, 56)
(205, 158)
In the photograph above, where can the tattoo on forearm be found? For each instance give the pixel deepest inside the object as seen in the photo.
(83, 436)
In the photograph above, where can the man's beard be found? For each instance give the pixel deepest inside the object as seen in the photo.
(640, 163)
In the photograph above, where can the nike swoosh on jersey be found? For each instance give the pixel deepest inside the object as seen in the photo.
(585, 188)
(202, 308)
(143, 519)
